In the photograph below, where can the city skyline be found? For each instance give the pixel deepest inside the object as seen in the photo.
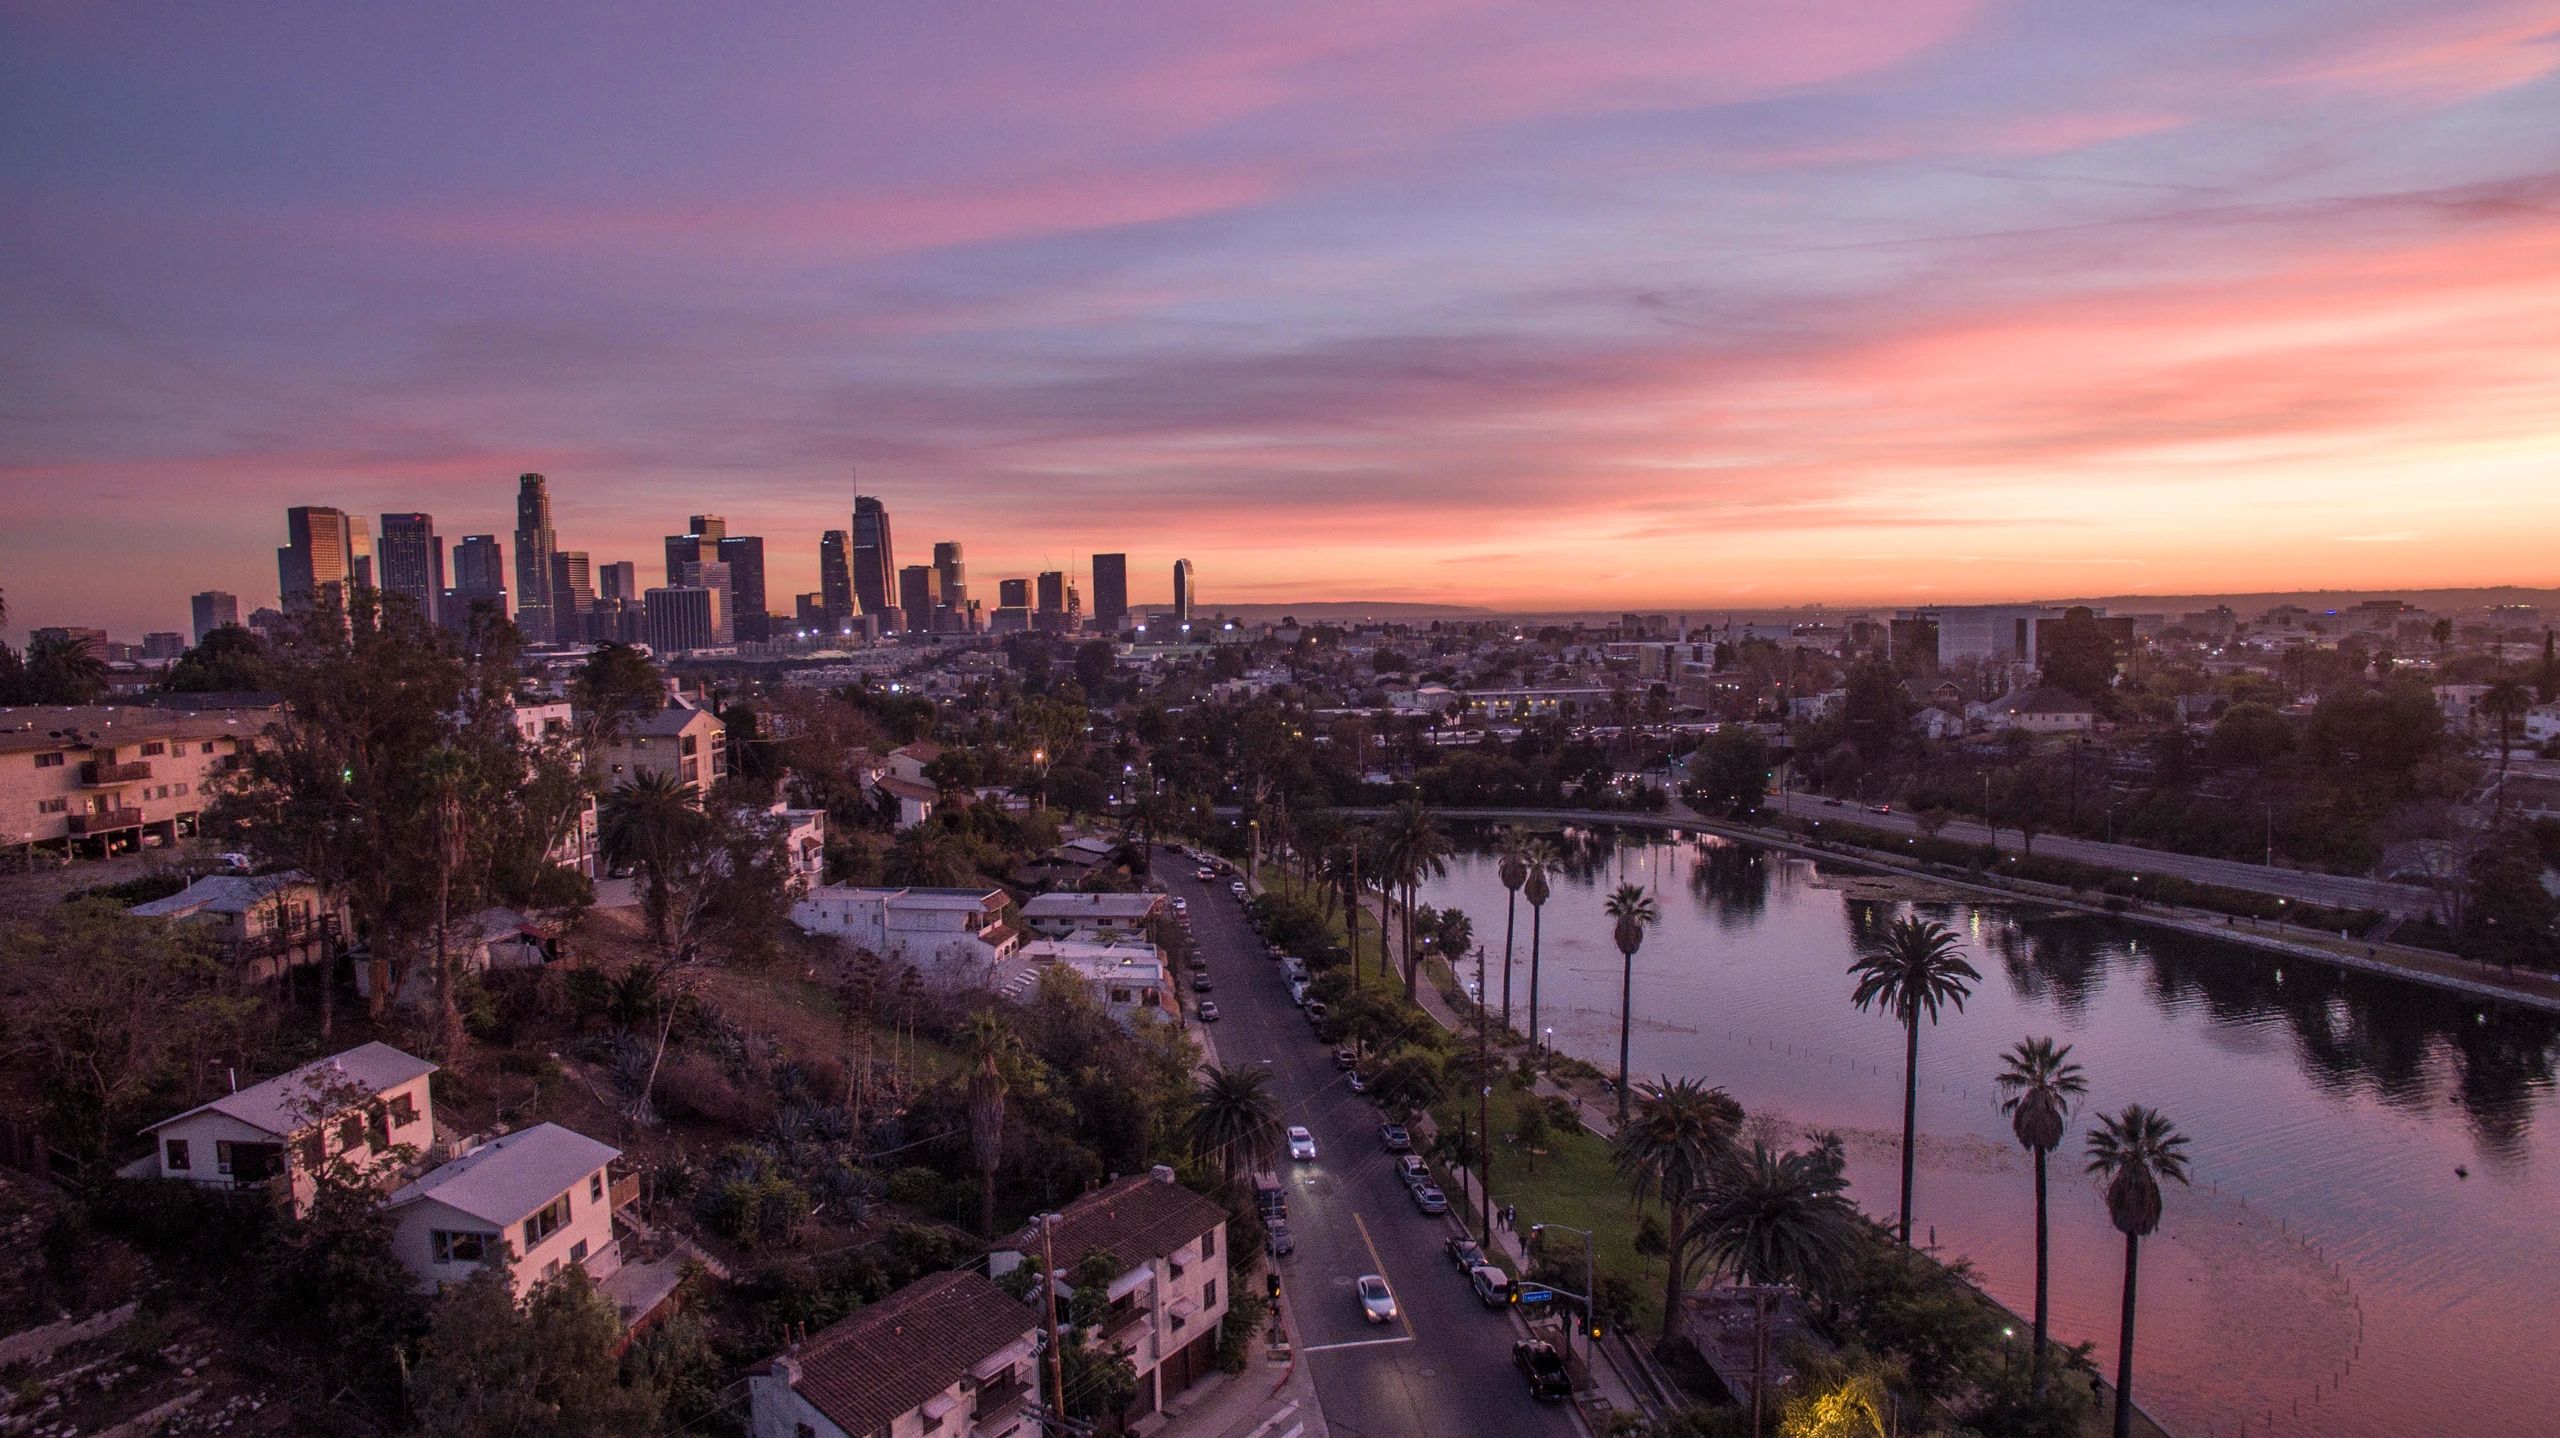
(1967, 303)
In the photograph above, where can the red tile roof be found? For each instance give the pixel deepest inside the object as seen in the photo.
(909, 1346)
(1136, 1219)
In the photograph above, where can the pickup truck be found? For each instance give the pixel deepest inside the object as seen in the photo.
(1539, 1362)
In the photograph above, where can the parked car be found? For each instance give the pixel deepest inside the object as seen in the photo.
(1377, 1301)
(1302, 1142)
(1413, 1170)
(1466, 1253)
(1199, 966)
(1539, 1362)
(1315, 1011)
(1397, 1140)
(1276, 1238)
(1236, 887)
(1345, 1057)
(1492, 1285)
(1201, 983)
(1354, 1082)
(1208, 1011)
(1429, 1198)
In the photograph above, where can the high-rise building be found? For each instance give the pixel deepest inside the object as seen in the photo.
(479, 579)
(618, 580)
(750, 621)
(411, 560)
(1053, 591)
(919, 595)
(360, 552)
(573, 594)
(213, 609)
(536, 542)
(1013, 593)
(682, 617)
(163, 644)
(1111, 592)
(93, 640)
(314, 556)
(1183, 598)
(876, 576)
(835, 578)
(713, 575)
(951, 573)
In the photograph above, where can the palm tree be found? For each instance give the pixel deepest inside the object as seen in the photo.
(1915, 969)
(1540, 857)
(1679, 1142)
(927, 856)
(1514, 869)
(1635, 912)
(645, 823)
(2506, 699)
(1233, 1121)
(63, 669)
(1777, 1218)
(2134, 1150)
(1417, 849)
(2038, 1082)
(991, 1046)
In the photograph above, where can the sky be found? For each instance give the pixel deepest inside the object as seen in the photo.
(1539, 306)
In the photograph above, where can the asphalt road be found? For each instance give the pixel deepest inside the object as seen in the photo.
(1445, 1366)
(2334, 890)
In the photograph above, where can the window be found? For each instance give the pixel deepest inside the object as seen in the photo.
(52, 806)
(688, 746)
(154, 749)
(49, 761)
(404, 1111)
(350, 1131)
(803, 1430)
(553, 1217)
(183, 791)
(551, 1270)
(1209, 1244)
(177, 1151)
(578, 1251)
(208, 747)
(595, 1186)
(377, 1127)
(222, 1155)
(1209, 1294)
(462, 1247)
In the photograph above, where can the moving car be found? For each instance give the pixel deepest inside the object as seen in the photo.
(1377, 1301)
(1302, 1142)
(1429, 1198)
(1208, 1011)
(1466, 1253)
(1539, 1362)
(1204, 873)
(1236, 887)
(1492, 1285)
(1397, 1140)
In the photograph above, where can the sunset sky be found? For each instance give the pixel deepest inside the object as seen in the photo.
(1551, 306)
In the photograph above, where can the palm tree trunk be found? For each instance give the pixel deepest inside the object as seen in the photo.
(1910, 1114)
(2124, 1340)
(987, 1201)
(1537, 931)
(2042, 1272)
(448, 1011)
(1510, 922)
(1409, 962)
(1673, 1242)
(1759, 1362)
(1351, 921)
(1626, 1018)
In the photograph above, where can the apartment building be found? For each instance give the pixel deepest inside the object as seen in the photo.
(951, 934)
(1105, 916)
(682, 740)
(102, 779)
(948, 1355)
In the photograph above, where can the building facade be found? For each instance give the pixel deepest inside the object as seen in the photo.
(213, 609)
(1111, 592)
(100, 778)
(536, 542)
(876, 575)
(411, 557)
(316, 556)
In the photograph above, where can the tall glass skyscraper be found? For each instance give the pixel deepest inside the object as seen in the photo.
(1111, 592)
(536, 542)
(875, 560)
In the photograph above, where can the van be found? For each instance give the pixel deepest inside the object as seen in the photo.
(1269, 1197)
(1298, 991)
(1492, 1285)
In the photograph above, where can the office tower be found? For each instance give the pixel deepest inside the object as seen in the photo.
(1053, 591)
(1183, 598)
(410, 560)
(749, 619)
(876, 576)
(682, 617)
(213, 609)
(710, 526)
(951, 574)
(1111, 592)
(314, 556)
(618, 580)
(93, 640)
(809, 613)
(360, 552)
(684, 549)
(835, 577)
(1010, 619)
(711, 574)
(163, 644)
(536, 541)
(1013, 593)
(573, 594)
(479, 579)
(919, 595)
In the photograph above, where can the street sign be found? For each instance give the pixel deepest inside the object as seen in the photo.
(1537, 1295)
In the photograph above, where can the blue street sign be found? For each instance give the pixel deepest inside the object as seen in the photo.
(1537, 1295)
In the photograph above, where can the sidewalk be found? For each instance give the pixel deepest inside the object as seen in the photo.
(1271, 1398)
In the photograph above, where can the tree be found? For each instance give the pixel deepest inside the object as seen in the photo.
(649, 821)
(227, 660)
(2076, 654)
(1916, 968)
(492, 1369)
(1417, 848)
(991, 1051)
(617, 685)
(928, 856)
(1632, 911)
(2506, 700)
(1233, 1121)
(1540, 858)
(2038, 1084)
(1679, 1142)
(2508, 916)
(2133, 1151)
(63, 669)
(1513, 868)
(1777, 1219)
(1731, 769)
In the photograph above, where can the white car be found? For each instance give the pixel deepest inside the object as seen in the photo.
(1302, 1144)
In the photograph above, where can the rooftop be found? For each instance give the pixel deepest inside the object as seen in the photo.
(1077, 906)
(1140, 1217)
(219, 894)
(290, 1102)
(506, 1178)
(28, 727)
(906, 1348)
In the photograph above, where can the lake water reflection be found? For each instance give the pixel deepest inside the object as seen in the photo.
(2372, 1239)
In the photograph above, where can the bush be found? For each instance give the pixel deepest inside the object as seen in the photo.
(132, 891)
(917, 1188)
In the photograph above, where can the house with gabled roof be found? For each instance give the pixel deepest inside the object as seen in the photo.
(542, 1195)
(948, 1355)
(365, 1114)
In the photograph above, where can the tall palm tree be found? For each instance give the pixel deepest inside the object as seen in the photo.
(1679, 1142)
(991, 1047)
(1355, 891)
(1417, 849)
(1635, 912)
(2506, 699)
(1514, 869)
(645, 822)
(1233, 1121)
(1915, 969)
(1540, 857)
(1777, 1218)
(2038, 1084)
(2133, 1151)
(927, 856)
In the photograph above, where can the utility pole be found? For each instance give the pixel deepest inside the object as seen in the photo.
(1049, 1297)
(1484, 1103)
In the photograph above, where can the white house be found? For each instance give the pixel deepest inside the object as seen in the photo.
(543, 1194)
(915, 798)
(366, 1110)
(948, 1355)
(1168, 1299)
(1108, 916)
(1126, 979)
(908, 761)
(1936, 723)
(952, 934)
(2542, 723)
(2041, 710)
(804, 841)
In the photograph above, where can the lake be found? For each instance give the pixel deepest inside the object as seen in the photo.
(2371, 1240)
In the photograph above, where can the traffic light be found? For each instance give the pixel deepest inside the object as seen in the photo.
(1271, 1284)
(1595, 1330)
(1515, 1295)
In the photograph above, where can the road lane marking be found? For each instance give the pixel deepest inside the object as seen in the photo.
(1377, 1266)
(1357, 1343)
(1275, 1419)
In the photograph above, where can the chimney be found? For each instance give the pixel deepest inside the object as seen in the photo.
(1163, 1174)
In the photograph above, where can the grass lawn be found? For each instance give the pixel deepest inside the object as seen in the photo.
(1571, 1182)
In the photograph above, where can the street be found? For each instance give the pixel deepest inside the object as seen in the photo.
(1444, 1367)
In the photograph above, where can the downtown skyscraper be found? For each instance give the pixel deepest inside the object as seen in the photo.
(410, 560)
(315, 556)
(835, 577)
(536, 543)
(1183, 598)
(1111, 592)
(875, 560)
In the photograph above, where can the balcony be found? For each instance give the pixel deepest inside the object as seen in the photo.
(1119, 1323)
(999, 1401)
(98, 774)
(106, 823)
